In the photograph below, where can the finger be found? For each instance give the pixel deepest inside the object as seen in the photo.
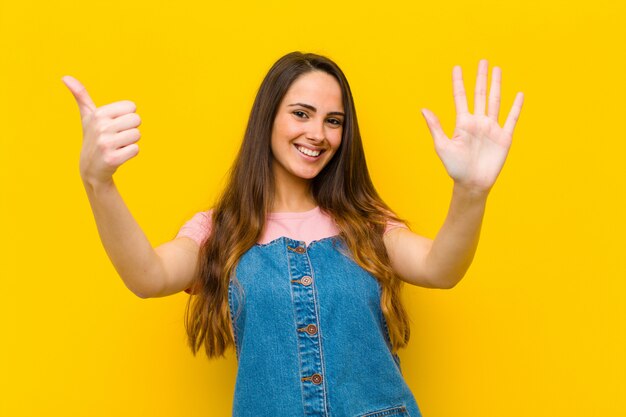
(511, 120)
(117, 109)
(460, 100)
(85, 103)
(480, 93)
(434, 126)
(125, 138)
(121, 155)
(125, 122)
(494, 94)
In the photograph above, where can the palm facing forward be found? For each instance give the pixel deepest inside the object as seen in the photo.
(475, 154)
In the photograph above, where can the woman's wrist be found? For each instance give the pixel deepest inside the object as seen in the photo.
(97, 186)
(470, 193)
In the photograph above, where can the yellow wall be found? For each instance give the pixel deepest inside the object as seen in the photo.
(538, 325)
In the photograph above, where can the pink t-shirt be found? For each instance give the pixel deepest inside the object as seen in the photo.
(305, 226)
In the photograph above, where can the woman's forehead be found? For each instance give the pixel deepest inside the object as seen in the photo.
(316, 88)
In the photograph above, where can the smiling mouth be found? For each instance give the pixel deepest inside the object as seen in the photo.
(309, 152)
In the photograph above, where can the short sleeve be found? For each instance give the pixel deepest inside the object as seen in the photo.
(394, 225)
(197, 228)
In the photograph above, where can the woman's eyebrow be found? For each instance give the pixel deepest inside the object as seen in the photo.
(313, 109)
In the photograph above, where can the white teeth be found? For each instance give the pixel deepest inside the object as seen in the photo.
(307, 151)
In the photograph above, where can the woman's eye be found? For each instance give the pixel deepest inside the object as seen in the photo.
(299, 113)
(335, 122)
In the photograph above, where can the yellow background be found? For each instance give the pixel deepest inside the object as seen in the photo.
(536, 328)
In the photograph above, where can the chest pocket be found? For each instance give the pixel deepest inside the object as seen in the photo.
(400, 411)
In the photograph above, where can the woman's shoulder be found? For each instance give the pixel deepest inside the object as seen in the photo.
(393, 224)
(198, 227)
(392, 221)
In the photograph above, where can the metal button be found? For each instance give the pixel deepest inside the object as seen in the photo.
(300, 249)
(306, 280)
(311, 329)
(316, 379)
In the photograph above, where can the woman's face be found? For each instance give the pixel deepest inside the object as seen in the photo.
(308, 126)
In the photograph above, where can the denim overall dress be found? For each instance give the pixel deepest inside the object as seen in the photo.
(310, 337)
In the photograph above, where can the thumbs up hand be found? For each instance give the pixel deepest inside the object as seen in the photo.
(110, 134)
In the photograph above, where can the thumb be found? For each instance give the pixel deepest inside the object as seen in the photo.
(85, 104)
(433, 125)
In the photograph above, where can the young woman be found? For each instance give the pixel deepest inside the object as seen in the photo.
(299, 265)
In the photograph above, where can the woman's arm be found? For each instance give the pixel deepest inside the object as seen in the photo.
(109, 139)
(167, 269)
(473, 158)
(440, 263)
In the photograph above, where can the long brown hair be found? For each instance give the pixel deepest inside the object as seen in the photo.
(343, 189)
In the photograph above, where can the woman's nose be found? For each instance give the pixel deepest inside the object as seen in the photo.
(316, 132)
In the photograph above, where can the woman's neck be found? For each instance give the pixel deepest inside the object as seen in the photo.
(292, 195)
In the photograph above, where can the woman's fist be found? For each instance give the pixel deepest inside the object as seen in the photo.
(110, 134)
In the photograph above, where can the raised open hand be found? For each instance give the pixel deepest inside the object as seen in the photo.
(475, 154)
(109, 134)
